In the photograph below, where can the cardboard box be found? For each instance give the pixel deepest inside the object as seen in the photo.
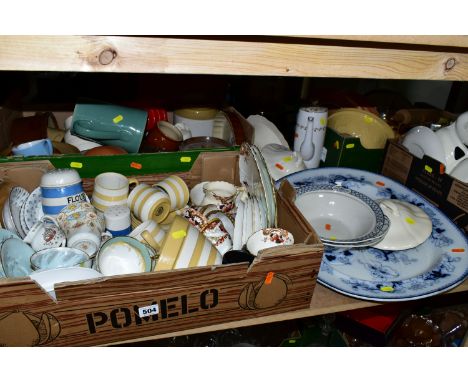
(427, 177)
(111, 309)
(347, 151)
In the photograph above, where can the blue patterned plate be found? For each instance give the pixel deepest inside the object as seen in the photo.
(433, 267)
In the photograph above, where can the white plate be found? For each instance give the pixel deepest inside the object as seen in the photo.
(268, 188)
(18, 197)
(33, 208)
(49, 277)
(237, 239)
(435, 266)
(247, 222)
(421, 140)
(265, 132)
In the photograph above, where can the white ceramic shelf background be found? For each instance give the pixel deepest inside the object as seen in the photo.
(378, 57)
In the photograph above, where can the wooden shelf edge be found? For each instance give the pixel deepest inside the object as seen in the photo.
(226, 57)
(324, 301)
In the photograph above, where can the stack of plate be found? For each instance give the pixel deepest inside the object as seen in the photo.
(342, 217)
(21, 210)
(256, 207)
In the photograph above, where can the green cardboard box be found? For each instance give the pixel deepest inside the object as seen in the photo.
(347, 151)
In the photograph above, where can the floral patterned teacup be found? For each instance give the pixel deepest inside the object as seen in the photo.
(83, 227)
(46, 233)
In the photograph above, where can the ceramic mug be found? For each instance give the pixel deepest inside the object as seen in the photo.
(118, 221)
(110, 125)
(59, 188)
(199, 120)
(148, 203)
(46, 233)
(124, 255)
(185, 246)
(111, 189)
(177, 191)
(164, 137)
(149, 233)
(38, 147)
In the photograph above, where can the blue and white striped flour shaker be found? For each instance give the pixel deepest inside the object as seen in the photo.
(59, 188)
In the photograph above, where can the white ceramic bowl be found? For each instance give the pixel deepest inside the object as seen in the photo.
(409, 225)
(339, 214)
(61, 257)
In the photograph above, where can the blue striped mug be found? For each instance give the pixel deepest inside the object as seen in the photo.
(59, 188)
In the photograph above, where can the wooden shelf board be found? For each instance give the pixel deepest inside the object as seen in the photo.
(324, 301)
(225, 57)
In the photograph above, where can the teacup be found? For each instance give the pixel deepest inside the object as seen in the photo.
(149, 233)
(220, 193)
(148, 203)
(110, 125)
(177, 191)
(46, 233)
(124, 255)
(267, 238)
(38, 147)
(63, 257)
(59, 188)
(83, 227)
(118, 221)
(111, 189)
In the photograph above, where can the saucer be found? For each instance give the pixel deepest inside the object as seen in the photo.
(32, 208)
(15, 255)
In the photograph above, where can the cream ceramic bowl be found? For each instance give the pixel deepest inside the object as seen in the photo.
(372, 131)
(409, 225)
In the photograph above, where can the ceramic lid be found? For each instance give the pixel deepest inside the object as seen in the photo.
(60, 177)
(409, 225)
